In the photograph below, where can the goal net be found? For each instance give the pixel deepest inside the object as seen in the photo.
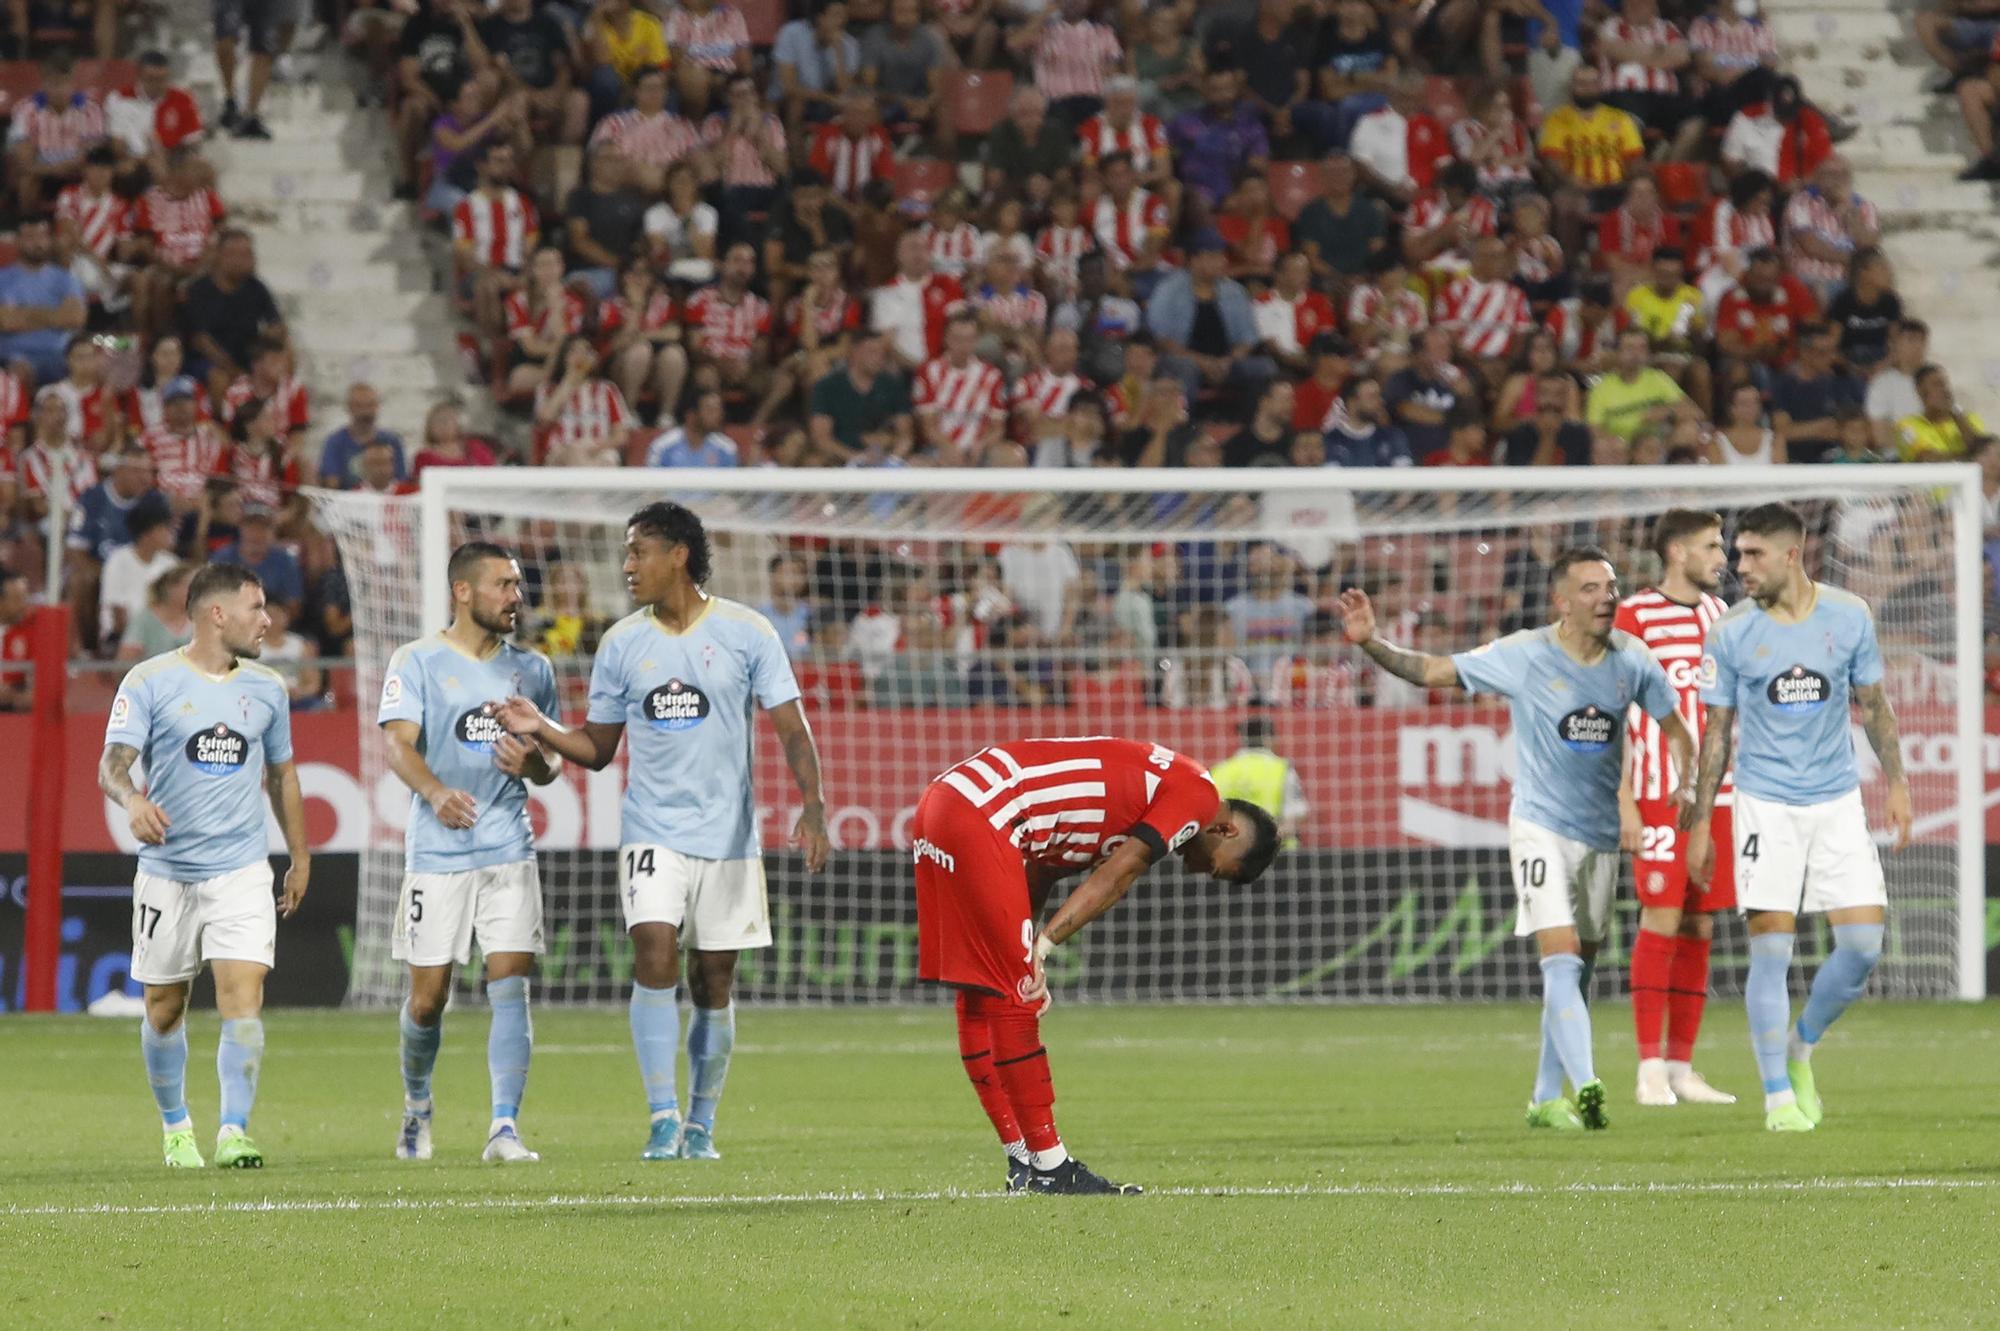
(931, 613)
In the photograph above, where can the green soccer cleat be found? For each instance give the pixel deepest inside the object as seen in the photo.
(235, 1150)
(1787, 1118)
(698, 1143)
(182, 1153)
(663, 1142)
(1799, 1070)
(1590, 1105)
(1558, 1113)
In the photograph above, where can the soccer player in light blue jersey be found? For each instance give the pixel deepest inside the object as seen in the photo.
(1569, 685)
(1784, 666)
(683, 677)
(470, 851)
(212, 730)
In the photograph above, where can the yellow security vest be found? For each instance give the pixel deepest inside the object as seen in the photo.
(1257, 775)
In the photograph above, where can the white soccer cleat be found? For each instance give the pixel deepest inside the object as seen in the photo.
(1653, 1088)
(1692, 1087)
(413, 1139)
(505, 1147)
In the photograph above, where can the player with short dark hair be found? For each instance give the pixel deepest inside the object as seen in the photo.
(214, 730)
(681, 676)
(1569, 684)
(469, 861)
(991, 837)
(1784, 664)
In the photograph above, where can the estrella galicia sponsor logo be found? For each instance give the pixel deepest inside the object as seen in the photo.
(927, 850)
(1798, 689)
(676, 705)
(1587, 730)
(218, 750)
(479, 729)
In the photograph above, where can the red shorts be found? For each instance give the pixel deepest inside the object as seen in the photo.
(1659, 870)
(974, 924)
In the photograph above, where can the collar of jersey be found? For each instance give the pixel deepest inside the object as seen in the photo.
(653, 618)
(498, 645)
(188, 661)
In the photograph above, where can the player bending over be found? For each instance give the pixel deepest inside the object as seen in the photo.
(1782, 665)
(991, 837)
(1676, 915)
(1568, 685)
(214, 732)
(469, 864)
(681, 676)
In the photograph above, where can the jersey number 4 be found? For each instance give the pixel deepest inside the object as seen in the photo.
(1749, 851)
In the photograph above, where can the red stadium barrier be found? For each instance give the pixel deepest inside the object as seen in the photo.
(45, 832)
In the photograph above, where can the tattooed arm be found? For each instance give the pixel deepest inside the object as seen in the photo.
(114, 777)
(1357, 618)
(1718, 737)
(1878, 720)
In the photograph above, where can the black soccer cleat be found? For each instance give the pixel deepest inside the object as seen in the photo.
(1073, 1178)
(1017, 1174)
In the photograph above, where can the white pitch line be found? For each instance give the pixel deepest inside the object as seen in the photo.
(337, 1205)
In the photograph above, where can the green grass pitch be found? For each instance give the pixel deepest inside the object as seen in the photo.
(1312, 1167)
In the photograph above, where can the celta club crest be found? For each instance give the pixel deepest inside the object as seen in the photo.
(707, 655)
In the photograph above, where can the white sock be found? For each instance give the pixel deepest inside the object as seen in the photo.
(1795, 1048)
(422, 1106)
(226, 1131)
(1016, 1150)
(1049, 1159)
(1778, 1100)
(499, 1125)
(666, 1113)
(1676, 1068)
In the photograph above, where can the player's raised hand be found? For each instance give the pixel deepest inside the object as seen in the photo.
(511, 755)
(295, 887)
(810, 834)
(1700, 854)
(1899, 812)
(520, 716)
(1357, 616)
(149, 821)
(454, 808)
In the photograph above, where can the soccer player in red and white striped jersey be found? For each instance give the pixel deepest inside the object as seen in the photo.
(958, 397)
(990, 839)
(1676, 914)
(1487, 314)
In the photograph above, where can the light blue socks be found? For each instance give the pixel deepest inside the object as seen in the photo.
(238, 1059)
(508, 1043)
(420, 1052)
(1549, 1072)
(711, 1037)
(656, 1038)
(1841, 978)
(1767, 1000)
(1565, 1019)
(166, 1068)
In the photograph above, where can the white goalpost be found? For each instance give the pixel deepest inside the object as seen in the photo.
(932, 612)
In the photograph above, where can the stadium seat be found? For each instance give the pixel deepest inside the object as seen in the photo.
(978, 97)
(7, 251)
(764, 18)
(1293, 186)
(1683, 185)
(18, 79)
(103, 77)
(748, 440)
(922, 178)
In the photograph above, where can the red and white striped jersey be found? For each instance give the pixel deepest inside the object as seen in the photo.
(1726, 231)
(1070, 802)
(1674, 633)
(1145, 139)
(1022, 308)
(14, 402)
(1811, 212)
(550, 322)
(1630, 239)
(952, 252)
(182, 464)
(1043, 392)
(1486, 318)
(728, 330)
(1057, 250)
(710, 40)
(499, 228)
(1291, 325)
(180, 228)
(1733, 43)
(1123, 229)
(1468, 134)
(1633, 77)
(294, 405)
(838, 313)
(1537, 258)
(101, 220)
(595, 412)
(60, 132)
(743, 166)
(86, 407)
(658, 140)
(965, 400)
(40, 463)
(1071, 59)
(849, 163)
(1578, 339)
(616, 314)
(1431, 210)
(264, 478)
(1402, 311)
(145, 411)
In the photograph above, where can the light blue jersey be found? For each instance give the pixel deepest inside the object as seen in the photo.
(1569, 724)
(204, 742)
(688, 701)
(1790, 685)
(452, 696)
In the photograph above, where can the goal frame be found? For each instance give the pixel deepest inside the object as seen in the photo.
(440, 487)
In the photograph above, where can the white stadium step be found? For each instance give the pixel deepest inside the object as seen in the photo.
(1821, 26)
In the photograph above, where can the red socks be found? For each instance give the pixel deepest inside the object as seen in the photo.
(1653, 957)
(975, 1047)
(1023, 1066)
(1687, 995)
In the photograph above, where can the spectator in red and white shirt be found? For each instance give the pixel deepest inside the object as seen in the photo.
(96, 419)
(1641, 55)
(854, 149)
(267, 470)
(94, 232)
(152, 117)
(646, 348)
(1123, 129)
(1757, 324)
(1400, 147)
(652, 137)
(1130, 222)
(143, 405)
(952, 241)
(1783, 137)
(13, 412)
(581, 419)
(1044, 393)
(49, 133)
(1442, 223)
(729, 328)
(1384, 315)
(1735, 225)
(1628, 235)
(1061, 245)
(270, 379)
(177, 222)
(1072, 56)
(493, 231)
(1256, 236)
(819, 328)
(16, 695)
(186, 450)
(1290, 314)
(540, 314)
(958, 399)
(52, 451)
(1824, 224)
(1487, 314)
(708, 40)
(1010, 310)
(1495, 142)
(912, 308)
(1466, 445)
(1735, 55)
(745, 144)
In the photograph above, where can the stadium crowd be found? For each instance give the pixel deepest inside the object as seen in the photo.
(989, 233)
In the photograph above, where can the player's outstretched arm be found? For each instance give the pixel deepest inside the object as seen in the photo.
(454, 808)
(1357, 622)
(1878, 720)
(114, 777)
(281, 784)
(594, 743)
(802, 756)
(1718, 737)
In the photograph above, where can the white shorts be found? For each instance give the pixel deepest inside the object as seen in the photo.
(1559, 883)
(1806, 858)
(178, 926)
(717, 905)
(438, 913)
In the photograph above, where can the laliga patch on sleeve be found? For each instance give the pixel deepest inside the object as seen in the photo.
(1180, 838)
(1708, 671)
(392, 690)
(121, 710)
